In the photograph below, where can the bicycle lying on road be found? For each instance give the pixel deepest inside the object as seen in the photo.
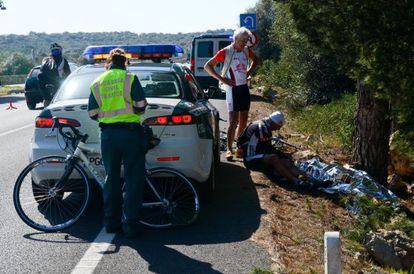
(53, 192)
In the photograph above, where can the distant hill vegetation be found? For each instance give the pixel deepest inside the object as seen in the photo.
(75, 43)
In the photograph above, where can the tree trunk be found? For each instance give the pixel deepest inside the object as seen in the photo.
(372, 134)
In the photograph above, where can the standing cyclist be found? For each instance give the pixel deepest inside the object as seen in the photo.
(117, 100)
(53, 71)
(233, 79)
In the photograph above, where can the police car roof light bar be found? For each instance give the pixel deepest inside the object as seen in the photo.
(141, 51)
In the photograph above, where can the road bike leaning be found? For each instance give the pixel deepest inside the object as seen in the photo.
(53, 192)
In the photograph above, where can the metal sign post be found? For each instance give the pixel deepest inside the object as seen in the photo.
(332, 253)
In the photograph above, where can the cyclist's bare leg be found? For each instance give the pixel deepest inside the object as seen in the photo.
(233, 121)
(274, 162)
(243, 116)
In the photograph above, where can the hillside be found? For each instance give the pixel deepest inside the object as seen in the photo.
(75, 43)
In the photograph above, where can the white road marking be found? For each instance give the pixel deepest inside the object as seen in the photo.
(94, 253)
(15, 130)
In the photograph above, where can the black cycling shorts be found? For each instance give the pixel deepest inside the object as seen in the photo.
(238, 98)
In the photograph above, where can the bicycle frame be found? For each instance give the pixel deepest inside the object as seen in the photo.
(58, 204)
(80, 155)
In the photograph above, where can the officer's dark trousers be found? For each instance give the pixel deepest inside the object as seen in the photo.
(123, 145)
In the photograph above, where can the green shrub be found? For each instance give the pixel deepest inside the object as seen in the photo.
(302, 75)
(374, 215)
(403, 142)
(332, 121)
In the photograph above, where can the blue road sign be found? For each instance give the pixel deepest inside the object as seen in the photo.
(248, 20)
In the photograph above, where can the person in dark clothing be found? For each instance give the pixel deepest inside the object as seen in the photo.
(117, 101)
(260, 154)
(53, 71)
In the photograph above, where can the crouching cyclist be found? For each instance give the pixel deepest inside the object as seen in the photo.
(259, 153)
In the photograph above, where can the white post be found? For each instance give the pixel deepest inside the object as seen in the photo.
(332, 253)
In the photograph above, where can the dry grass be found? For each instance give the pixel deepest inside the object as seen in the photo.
(6, 90)
(296, 220)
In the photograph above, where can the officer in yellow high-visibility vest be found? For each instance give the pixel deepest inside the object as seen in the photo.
(117, 101)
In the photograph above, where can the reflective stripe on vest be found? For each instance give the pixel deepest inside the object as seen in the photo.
(112, 91)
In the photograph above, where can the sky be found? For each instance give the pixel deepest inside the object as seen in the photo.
(138, 16)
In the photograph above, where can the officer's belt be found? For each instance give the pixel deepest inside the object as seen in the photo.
(120, 125)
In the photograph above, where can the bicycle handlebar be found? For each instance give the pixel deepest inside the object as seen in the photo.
(77, 135)
(280, 140)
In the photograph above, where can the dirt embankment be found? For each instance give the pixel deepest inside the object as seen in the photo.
(293, 227)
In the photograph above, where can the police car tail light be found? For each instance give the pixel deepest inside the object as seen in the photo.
(185, 119)
(42, 122)
(69, 122)
(162, 120)
(47, 122)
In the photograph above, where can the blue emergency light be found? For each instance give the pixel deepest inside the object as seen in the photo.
(144, 51)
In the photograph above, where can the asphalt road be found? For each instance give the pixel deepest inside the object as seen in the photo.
(218, 243)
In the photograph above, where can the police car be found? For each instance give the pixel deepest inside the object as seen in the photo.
(178, 112)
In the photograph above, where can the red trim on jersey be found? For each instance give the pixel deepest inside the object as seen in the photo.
(251, 54)
(220, 56)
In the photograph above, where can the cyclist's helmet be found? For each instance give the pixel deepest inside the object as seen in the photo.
(55, 49)
(277, 117)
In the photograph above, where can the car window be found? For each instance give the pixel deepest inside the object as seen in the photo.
(155, 84)
(76, 87)
(205, 49)
(223, 44)
(196, 91)
(159, 84)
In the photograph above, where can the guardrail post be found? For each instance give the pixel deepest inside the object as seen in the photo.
(332, 253)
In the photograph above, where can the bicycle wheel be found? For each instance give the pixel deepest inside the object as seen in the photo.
(43, 205)
(169, 199)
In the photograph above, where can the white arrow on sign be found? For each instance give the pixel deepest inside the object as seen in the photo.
(247, 18)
